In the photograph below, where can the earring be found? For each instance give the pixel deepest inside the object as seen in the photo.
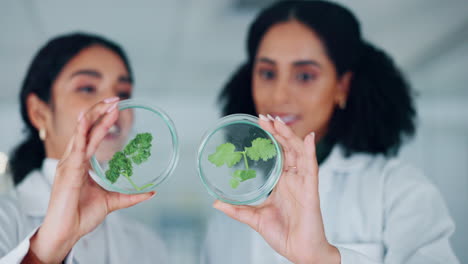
(342, 104)
(42, 134)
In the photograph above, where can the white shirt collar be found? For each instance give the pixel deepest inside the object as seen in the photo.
(49, 167)
(337, 161)
(339, 164)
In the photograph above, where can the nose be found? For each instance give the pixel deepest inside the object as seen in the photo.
(281, 93)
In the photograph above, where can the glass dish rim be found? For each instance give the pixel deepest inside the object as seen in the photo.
(242, 119)
(141, 104)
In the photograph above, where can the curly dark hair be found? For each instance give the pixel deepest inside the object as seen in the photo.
(379, 113)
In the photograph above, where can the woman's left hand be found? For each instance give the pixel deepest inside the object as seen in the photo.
(290, 219)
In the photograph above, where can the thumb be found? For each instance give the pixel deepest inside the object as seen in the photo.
(243, 213)
(117, 201)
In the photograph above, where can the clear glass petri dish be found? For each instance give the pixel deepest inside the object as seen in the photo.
(140, 151)
(238, 161)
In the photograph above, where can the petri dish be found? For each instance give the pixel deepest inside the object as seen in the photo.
(140, 151)
(238, 161)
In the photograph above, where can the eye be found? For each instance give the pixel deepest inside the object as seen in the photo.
(266, 74)
(305, 77)
(87, 89)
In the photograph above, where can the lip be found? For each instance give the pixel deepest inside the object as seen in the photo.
(288, 118)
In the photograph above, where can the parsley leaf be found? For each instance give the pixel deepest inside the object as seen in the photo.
(234, 182)
(225, 153)
(262, 148)
(240, 176)
(119, 165)
(243, 175)
(138, 150)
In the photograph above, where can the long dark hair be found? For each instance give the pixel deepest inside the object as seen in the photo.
(44, 69)
(379, 113)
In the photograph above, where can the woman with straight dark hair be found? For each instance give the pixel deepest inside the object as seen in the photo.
(338, 105)
(56, 212)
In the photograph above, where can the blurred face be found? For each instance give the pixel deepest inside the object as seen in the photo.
(293, 78)
(92, 75)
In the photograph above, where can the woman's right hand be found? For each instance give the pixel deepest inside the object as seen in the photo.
(290, 219)
(77, 204)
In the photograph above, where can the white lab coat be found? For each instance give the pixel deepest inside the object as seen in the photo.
(375, 210)
(116, 240)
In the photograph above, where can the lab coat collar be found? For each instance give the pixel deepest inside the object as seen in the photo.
(34, 192)
(339, 163)
(49, 166)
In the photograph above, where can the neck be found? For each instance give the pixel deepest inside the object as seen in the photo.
(51, 151)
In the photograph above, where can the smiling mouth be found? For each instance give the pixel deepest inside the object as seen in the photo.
(288, 119)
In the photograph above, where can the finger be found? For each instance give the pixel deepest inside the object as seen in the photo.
(96, 112)
(71, 168)
(242, 213)
(67, 153)
(68, 148)
(100, 130)
(76, 156)
(117, 201)
(309, 163)
(266, 124)
(293, 141)
(289, 157)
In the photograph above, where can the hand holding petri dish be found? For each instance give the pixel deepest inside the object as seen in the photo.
(239, 162)
(139, 152)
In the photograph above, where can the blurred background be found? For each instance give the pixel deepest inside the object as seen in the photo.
(183, 51)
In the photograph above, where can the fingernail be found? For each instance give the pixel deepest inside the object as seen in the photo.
(111, 99)
(111, 108)
(264, 118)
(153, 193)
(216, 204)
(270, 117)
(313, 135)
(280, 120)
(80, 116)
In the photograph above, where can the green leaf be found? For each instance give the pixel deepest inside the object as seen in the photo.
(240, 176)
(234, 183)
(243, 175)
(262, 148)
(225, 153)
(139, 148)
(119, 165)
